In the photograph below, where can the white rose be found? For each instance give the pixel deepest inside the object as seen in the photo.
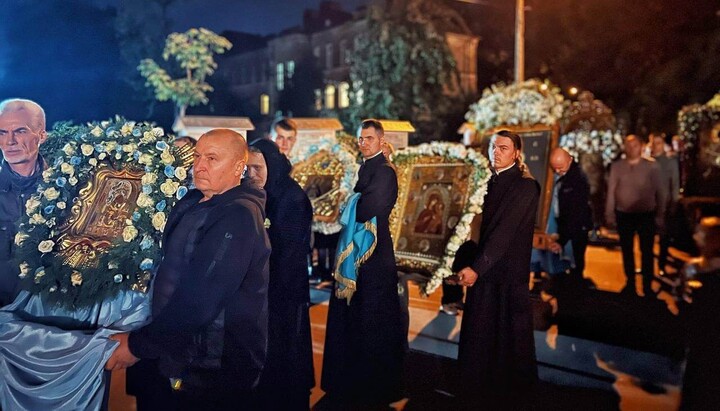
(37, 219)
(87, 149)
(73, 180)
(67, 169)
(169, 187)
(46, 246)
(102, 156)
(145, 158)
(129, 233)
(60, 205)
(158, 131)
(180, 173)
(51, 193)
(97, 132)
(144, 201)
(47, 174)
(149, 178)
(68, 149)
(92, 162)
(166, 157)
(31, 205)
(127, 128)
(20, 237)
(158, 221)
(148, 137)
(110, 146)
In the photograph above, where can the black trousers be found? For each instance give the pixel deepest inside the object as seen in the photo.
(452, 293)
(579, 245)
(642, 224)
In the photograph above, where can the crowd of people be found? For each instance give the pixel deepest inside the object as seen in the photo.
(230, 299)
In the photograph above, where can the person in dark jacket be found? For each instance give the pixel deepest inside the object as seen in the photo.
(497, 348)
(366, 337)
(208, 332)
(573, 213)
(289, 365)
(22, 130)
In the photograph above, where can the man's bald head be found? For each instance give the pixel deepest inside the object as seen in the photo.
(220, 159)
(231, 140)
(560, 160)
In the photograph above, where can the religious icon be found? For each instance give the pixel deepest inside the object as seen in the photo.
(430, 219)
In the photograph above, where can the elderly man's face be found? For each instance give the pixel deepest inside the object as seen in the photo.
(20, 139)
(560, 164)
(285, 139)
(633, 148)
(218, 166)
(257, 169)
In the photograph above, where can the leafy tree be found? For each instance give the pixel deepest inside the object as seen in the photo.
(402, 68)
(193, 51)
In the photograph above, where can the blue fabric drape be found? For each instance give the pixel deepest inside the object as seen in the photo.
(52, 358)
(356, 244)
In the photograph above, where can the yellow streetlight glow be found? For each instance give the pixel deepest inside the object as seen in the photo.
(573, 91)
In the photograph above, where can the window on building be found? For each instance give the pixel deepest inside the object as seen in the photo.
(280, 77)
(343, 52)
(264, 104)
(318, 99)
(344, 97)
(329, 56)
(357, 86)
(290, 68)
(330, 97)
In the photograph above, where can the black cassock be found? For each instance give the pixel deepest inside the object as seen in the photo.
(497, 349)
(366, 341)
(288, 374)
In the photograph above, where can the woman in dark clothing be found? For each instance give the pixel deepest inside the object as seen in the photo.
(288, 375)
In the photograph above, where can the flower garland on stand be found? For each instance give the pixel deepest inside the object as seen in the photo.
(74, 155)
(347, 182)
(527, 103)
(605, 142)
(452, 153)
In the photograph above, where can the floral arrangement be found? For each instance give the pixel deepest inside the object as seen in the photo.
(605, 142)
(452, 152)
(528, 103)
(350, 168)
(74, 155)
(692, 119)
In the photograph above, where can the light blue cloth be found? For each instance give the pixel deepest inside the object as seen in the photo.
(53, 359)
(356, 244)
(545, 260)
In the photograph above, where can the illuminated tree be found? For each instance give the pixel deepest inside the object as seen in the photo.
(193, 51)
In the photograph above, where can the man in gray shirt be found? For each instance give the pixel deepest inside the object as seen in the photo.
(670, 177)
(636, 202)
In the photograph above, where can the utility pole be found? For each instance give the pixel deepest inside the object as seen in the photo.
(520, 41)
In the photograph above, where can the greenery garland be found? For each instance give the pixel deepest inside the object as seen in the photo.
(73, 155)
(452, 153)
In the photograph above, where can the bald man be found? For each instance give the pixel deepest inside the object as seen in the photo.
(571, 209)
(208, 334)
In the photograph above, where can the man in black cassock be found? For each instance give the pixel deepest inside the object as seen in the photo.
(497, 350)
(366, 338)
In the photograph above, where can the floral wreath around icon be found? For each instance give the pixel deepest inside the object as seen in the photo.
(74, 154)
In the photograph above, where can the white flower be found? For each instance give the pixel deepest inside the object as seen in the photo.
(68, 149)
(129, 233)
(149, 179)
(73, 180)
(169, 187)
(102, 156)
(92, 162)
(110, 146)
(46, 246)
(47, 174)
(37, 219)
(20, 237)
(51, 193)
(127, 128)
(97, 131)
(31, 205)
(148, 137)
(158, 131)
(144, 201)
(145, 158)
(60, 205)
(167, 158)
(76, 278)
(158, 221)
(129, 148)
(180, 173)
(67, 169)
(87, 149)
(24, 269)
